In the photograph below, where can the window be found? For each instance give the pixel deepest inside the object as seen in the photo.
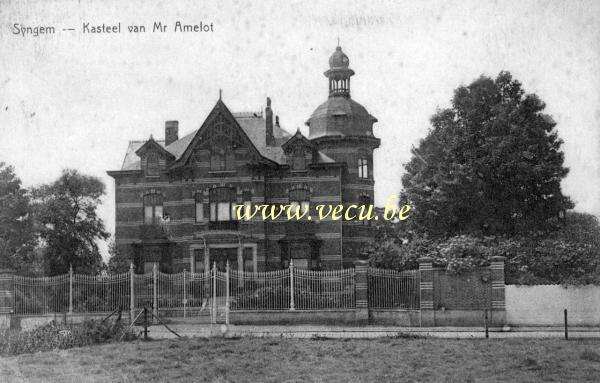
(217, 160)
(247, 198)
(222, 204)
(222, 160)
(230, 160)
(199, 208)
(199, 259)
(364, 200)
(152, 166)
(298, 160)
(153, 208)
(248, 259)
(363, 168)
(300, 197)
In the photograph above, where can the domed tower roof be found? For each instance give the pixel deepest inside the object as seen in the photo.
(340, 115)
(339, 59)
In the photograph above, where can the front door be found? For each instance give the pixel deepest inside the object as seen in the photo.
(220, 256)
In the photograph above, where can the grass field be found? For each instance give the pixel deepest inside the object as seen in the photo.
(302, 360)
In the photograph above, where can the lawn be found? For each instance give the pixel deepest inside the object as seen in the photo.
(320, 360)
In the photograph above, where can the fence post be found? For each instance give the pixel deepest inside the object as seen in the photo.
(184, 296)
(154, 292)
(70, 289)
(426, 291)
(227, 293)
(566, 326)
(7, 297)
(292, 305)
(498, 297)
(214, 294)
(361, 291)
(131, 293)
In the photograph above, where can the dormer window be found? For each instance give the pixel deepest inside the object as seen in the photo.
(363, 167)
(152, 164)
(298, 159)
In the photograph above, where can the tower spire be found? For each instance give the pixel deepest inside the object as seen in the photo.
(339, 73)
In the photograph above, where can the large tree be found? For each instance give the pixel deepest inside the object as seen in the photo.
(491, 163)
(118, 261)
(17, 237)
(70, 226)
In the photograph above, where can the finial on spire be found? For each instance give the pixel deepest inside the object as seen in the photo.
(338, 40)
(220, 93)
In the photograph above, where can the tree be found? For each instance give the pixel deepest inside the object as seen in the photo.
(118, 262)
(70, 227)
(17, 238)
(490, 164)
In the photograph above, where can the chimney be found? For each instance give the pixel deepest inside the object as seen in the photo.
(270, 139)
(171, 132)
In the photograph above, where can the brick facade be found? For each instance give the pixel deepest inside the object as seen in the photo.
(172, 196)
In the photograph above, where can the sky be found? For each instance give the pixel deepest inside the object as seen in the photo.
(74, 100)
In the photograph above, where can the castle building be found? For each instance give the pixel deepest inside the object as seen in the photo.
(175, 198)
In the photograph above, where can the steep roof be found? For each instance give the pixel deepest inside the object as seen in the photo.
(253, 124)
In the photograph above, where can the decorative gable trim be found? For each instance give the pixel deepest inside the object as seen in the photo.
(151, 144)
(220, 110)
(297, 139)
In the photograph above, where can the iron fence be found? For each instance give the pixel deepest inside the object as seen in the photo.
(215, 292)
(391, 289)
(318, 290)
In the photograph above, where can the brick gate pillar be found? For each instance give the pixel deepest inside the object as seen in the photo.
(498, 314)
(7, 297)
(426, 291)
(361, 292)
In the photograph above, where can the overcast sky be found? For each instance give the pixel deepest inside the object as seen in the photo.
(75, 100)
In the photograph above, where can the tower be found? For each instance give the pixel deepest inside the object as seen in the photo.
(342, 129)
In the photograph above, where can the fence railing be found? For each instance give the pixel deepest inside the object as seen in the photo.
(191, 294)
(391, 289)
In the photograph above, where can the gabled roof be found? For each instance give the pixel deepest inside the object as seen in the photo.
(298, 137)
(151, 143)
(252, 124)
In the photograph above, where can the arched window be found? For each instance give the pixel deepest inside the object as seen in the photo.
(152, 166)
(363, 167)
(300, 197)
(222, 202)
(153, 208)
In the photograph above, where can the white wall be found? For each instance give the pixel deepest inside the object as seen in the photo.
(544, 305)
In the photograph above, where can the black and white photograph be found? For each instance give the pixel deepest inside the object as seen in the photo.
(299, 191)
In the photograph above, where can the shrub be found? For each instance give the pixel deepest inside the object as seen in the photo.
(61, 336)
